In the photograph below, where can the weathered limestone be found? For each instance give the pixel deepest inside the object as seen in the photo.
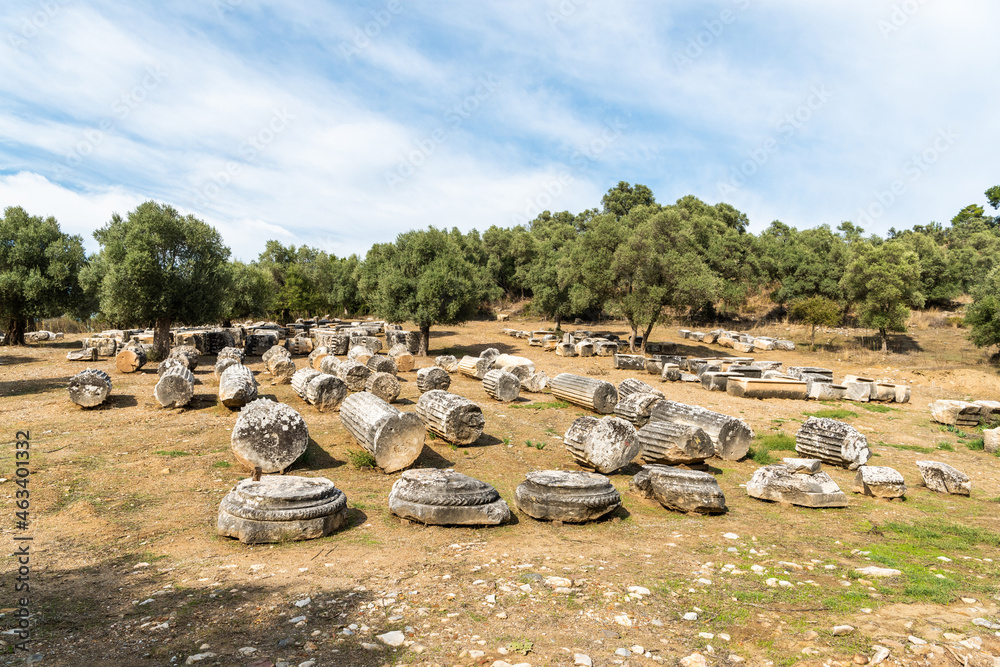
(317, 356)
(679, 490)
(83, 354)
(636, 407)
(281, 367)
(268, 435)
(106, 347)
(860, 392)
(394, 438)
(565, 350)
(353, 374)
(603, 445)
(447, 362)
(778, 483)
(433, 377)
(991, 440)
(186, 353)
(902, 393)
(325, 392)
(572, 497)
(535, 383)
(511, 363)
(175, 387)
(879, 482)
(453, 418)
(359, 354)
(832, 442)
(230, 353)
(605, 348)
(490, 354)
(942, 478)
(956, 413)
(130, 359)
(717, 380)
(730, 435)
(670, 373)
(299, 345)
(373, 344)
(300, 379)
(585, 348)
(475, 367)
(400, 354)
(382, 364)
(990, 410)
(237, 385)
(672, 443)
(222, 364)
(882, 391)
(257, 344)
(167, 364)
(740, 346)
(384, 385)
(823, 391)
(630, 362)
(632, 386)
(446, 498)
(89, 388)
(335, 343)
(331, 364)
(745, 387)
(501, 385)
(281, 509)
(597, 395)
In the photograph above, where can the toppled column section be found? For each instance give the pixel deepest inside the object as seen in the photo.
(597, 395)
(779, 483)
(237, 386)
(879, 482)
(633, 386)
(325, 392)
(130, 359)
(175, 387)
(832, 442)
(603, 445)
(188, 354)
(268, 435)
(501, 385)
(394, 438)
(89, 388)
(446, 498)
(281, 509)
(572, 497)
(636, 407)
(400, 354)
(475, 367)
(957, 413)
(730, 435)
(454, 418)
(672, 443)
(433, 377)
(679, 490)
(383, 385)
(942, 478)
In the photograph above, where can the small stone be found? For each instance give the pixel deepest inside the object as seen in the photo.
(638, 650)
(476, 655)
(841, 630)
(502, 614)
(582, 659)
(874, 571)
(860, 659)
(916, 640)
(706, 635)
(623, 652)
(369, 647)
(638, 590)
(198, 657)
(394, 638)
(308, 663)
(974, 643)
(694, 660)
(247, 651)
(303, 603)
(623, 620)
(690, 616)
(729, 536)
(297, 619)
(879, 654)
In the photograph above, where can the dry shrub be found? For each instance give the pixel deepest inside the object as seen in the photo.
(928, 319)
(64, 325)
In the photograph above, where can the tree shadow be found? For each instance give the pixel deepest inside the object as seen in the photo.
(315, 458)
(484, 440)
(115, 401)
(25, 387)
(11, 359)
(429, 458)
(474, 350)
(202, 402)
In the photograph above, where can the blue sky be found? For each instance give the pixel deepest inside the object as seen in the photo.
(339, 125)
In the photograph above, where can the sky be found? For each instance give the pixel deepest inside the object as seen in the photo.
(340, 125)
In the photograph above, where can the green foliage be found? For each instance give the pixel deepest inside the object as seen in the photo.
(558, 405)
(873, 407)
(764, 444)
(39, 272)
(945, 447)
(883, 280)
(983, 314)
(430, 277)
(976, 445)
(156, 266)
(537, 445)
(838, 413)
(522, 646)
(360, 458)
(816, 311)
(172, 453)
(807, 264)
(252, 293)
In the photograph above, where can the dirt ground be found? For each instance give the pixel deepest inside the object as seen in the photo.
(126, 568)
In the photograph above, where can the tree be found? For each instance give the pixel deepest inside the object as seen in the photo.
(426, 277)
(156, 266)
(817, 311)
(622, 198)
(883, 280)
(807, 263)
(983, 314)
(344, 297)
(252, 292)
(551, 237)
(39, 272)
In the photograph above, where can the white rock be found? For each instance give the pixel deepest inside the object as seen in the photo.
(840, 630)
(874, 571)
(694, 660)
(690, 616)
(879, 654)
(394, 638)
(916, 640)
(623, 620)
(303, 603)
(581, 659)
(297, 619)
(638, 590)
(198, 657)
(729, 536)
(247, 651)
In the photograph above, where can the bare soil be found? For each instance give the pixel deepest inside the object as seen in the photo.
(126, 568)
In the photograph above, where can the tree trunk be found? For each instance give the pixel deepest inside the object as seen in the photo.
(812, 346)
(645, 337)
(425, 340)
(161, 338)
(15, 332)
(558, 319)
(885, 339)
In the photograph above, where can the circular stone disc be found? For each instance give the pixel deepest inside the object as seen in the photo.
(282, 492)
(432, 486)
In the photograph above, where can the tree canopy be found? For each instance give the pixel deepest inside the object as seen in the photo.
(158, 267)
(39, 272)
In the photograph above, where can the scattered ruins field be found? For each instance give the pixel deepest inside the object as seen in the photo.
(128, 570)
